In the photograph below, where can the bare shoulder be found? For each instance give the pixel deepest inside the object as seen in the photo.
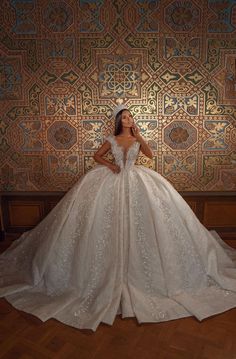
(107, 143)
(103, 148)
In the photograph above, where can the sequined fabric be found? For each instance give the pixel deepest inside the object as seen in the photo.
(124, 244)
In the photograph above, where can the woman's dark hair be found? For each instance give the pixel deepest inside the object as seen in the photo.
(118, 122)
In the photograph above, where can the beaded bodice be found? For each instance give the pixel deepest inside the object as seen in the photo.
(125, 159)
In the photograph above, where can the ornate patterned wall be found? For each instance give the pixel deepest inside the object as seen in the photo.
(64, 65)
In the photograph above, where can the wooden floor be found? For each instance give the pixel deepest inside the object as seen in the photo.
(23, 336)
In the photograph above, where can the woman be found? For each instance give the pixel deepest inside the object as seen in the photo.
(126, 133)
(121, 241)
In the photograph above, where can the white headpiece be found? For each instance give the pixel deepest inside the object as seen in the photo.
(119, 108)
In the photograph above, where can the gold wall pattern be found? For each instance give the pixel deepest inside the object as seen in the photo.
(65, 65)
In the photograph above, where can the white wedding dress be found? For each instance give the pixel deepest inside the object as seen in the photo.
(122, 243)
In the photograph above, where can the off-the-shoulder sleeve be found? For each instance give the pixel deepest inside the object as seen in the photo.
(110, 139)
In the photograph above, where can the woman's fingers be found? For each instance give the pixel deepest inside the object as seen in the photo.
(135, 129)
(116, 169)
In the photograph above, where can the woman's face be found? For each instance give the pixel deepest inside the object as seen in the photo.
(127, 119)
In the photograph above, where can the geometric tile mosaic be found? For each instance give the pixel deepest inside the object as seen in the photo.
(65, 65)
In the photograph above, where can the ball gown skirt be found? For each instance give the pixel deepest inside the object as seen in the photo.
(124, 244)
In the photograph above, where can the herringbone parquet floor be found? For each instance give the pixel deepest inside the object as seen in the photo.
(22, 336)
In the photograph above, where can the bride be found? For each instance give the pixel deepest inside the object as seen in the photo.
(121, 241)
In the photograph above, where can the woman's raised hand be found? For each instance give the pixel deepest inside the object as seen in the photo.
(135, 130)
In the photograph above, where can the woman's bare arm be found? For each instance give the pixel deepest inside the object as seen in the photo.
(98, 157)
(145, 148)
(101, 152)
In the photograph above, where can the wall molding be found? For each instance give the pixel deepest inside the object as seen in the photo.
(21, 211)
